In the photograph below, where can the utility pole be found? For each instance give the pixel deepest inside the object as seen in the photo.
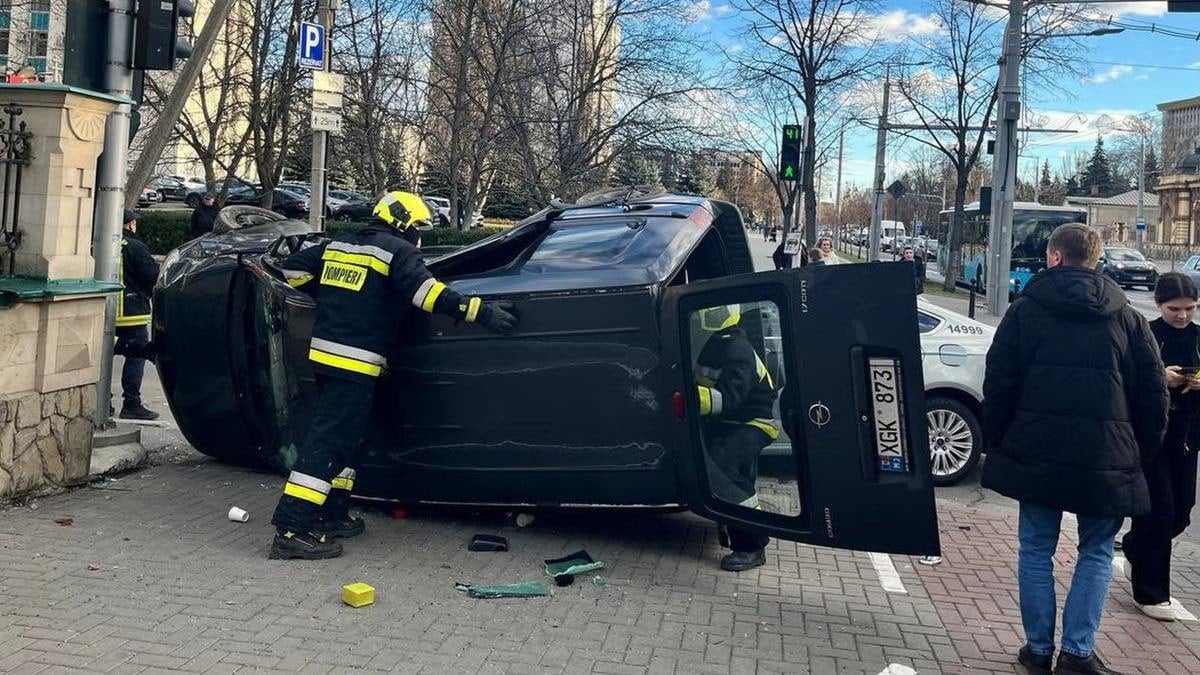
(158, 136)
(837, 208)
(110, 187)
(1004, 172)
(1141, 212)
(880, 159)
(316, 201)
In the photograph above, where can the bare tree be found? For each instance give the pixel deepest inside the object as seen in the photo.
(814, 49)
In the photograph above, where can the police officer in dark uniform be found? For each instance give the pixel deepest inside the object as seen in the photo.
(137, 272)
(737, 399)
(365, 283)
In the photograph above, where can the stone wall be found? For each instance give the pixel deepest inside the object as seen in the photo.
(45, 440)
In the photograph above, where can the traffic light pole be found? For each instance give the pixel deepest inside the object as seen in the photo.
(110, 187)
(880, 160)
(1004, 171)
(316, 200)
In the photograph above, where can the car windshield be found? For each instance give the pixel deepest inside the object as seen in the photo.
(1124, 255)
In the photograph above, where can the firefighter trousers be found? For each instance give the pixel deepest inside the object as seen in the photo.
(319, 486)
(732, 452)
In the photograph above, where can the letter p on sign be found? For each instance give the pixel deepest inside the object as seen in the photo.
(312, 46)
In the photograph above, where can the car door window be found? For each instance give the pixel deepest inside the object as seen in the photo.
(738, 370)
(926, 323)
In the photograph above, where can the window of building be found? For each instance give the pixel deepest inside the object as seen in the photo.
(39, 34)
(5, 24)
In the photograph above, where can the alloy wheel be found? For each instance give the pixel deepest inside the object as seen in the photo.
(950, 441)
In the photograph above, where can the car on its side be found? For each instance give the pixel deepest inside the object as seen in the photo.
(1128, 267)
(591, 401)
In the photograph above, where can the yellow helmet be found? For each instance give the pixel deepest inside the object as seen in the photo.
(401, 209)
(719, 318)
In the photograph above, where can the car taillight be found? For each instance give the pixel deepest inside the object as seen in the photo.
(677, 404)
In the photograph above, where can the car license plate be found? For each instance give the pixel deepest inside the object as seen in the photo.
(886, 404)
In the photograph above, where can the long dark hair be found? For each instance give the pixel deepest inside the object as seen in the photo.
(1174, 285)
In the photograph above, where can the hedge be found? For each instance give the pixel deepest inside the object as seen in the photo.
(165, 230)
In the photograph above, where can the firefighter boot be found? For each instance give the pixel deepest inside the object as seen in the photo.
(290, 544)
(336, 519)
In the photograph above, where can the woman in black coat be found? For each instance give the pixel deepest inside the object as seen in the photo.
(1171, 475)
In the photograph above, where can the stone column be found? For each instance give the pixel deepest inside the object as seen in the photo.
(51, 310)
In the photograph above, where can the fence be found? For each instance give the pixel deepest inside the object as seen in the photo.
(1175, 254)
(15, 155)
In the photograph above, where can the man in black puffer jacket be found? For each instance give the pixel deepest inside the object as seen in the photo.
(1075, 402)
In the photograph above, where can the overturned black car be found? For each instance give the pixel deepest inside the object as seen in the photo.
(593, 400)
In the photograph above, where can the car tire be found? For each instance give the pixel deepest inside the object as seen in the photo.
(955, 439)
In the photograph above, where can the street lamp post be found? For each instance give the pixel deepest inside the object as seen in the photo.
(880, 160)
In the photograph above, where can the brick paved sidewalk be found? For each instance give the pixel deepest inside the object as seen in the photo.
(180, 587)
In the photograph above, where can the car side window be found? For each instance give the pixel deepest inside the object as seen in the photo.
(927, 322)
(1192, 263)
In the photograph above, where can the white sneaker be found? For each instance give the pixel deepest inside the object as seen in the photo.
(1163, 611)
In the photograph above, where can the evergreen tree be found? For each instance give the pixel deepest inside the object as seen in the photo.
(696, 178)
(1045, 181)
(1152, 168)
(633, 168)
(1099, 174)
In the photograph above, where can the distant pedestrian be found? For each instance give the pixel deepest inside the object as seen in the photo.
(827, 254)
(783, 261)
(918, 270)
(816, 258)
(1075, 404)
(205, 215)
(1171, 475)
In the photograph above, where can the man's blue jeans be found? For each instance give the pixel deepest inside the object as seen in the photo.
(1038, 535)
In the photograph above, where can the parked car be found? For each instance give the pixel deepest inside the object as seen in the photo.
(1191, 267)
(1128, 267)
(239, 193)
(591, 401)
(149, 196)
(170, 188)
(347, 205)
(440, 208)
(192, 182)
(288, 203)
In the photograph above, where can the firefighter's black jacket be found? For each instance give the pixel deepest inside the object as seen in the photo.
(365, 283)
(138, 273)
(733, 383)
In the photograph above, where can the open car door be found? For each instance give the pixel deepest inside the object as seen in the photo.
(837, 361)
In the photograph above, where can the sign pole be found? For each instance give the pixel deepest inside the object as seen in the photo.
(1004, 171)
(880, 161)
(316, 201)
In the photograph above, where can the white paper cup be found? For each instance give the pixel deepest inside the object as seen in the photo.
(238, 516)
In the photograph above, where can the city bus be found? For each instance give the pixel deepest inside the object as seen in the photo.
(1032, 225)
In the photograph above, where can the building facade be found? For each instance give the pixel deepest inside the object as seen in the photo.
(1181, 129)
(31, 38)
(1116, 217)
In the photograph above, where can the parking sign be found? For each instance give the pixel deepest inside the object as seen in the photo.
(312, 45)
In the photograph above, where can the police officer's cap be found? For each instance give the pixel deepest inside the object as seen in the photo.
(130, 216)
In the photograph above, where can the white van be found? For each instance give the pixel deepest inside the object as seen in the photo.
(889, 230)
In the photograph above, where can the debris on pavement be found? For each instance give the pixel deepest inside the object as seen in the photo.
(93, 567)
(930, 560)
(237, 515)
(565, 568)
(358, 594)
(65, 521)
(524, 519)
(601, 583)
(523, 589)
(488, 542)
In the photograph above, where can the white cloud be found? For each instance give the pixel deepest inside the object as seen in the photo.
(701, 11)
(1111, 74)
(901, 25)
(1141, 77)
(1131, 8)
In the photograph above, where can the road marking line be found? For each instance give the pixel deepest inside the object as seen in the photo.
(897, 669)
(1181, 612)
(889, 578)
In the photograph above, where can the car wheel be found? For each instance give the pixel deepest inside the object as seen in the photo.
(955, 439)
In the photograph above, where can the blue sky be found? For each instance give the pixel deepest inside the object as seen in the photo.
(1131, 72)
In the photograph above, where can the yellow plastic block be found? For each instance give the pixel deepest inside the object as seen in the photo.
(358, 594)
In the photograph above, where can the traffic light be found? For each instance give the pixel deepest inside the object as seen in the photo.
(789, 153)
(156, 41)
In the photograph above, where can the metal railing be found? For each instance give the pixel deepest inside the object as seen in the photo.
(15, 154)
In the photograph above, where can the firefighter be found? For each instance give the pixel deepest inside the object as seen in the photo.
(737, 398)
(137, 273)
(365, 283)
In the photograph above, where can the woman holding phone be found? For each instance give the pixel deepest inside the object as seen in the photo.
(1171, 475)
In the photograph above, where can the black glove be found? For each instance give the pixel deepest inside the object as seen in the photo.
(497, 316)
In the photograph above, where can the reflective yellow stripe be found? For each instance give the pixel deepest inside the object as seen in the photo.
(705, 400)
(300, 280)
(473, 308)
(766, 426)
(340, 483)
(344, 363)
(763, 373)
(128, 321)
(432, 296)
(358, 259)
(301, 492)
